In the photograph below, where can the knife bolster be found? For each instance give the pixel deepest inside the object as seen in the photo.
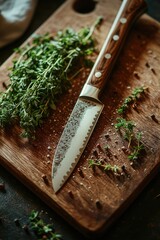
(90, 91)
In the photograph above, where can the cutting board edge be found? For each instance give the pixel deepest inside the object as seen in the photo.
(39, 190)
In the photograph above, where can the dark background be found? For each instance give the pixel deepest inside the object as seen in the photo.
(140, 221)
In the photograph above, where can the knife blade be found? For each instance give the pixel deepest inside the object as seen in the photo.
(88, 107)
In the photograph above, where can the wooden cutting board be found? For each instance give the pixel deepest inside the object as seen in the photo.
(92, 200)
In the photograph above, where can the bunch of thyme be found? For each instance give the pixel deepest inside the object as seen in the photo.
(40, 75)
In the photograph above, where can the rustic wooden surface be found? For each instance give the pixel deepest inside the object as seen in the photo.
(137, 65)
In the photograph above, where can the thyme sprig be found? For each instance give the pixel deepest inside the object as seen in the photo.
(41, 229)
(106, 167)
(134, 140)
(127, 127)
(41, 75)
(135, 154)
(136, 93)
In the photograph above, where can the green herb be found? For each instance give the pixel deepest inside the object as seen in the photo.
(106, 147)
(124, 106)
(42, 230)
(136, 92)
(130, 99)
(127, 127)
(106, 167)
(41, 75)
(135, 154)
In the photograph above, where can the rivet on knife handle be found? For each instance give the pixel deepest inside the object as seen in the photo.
(88, 107)
(129, 11)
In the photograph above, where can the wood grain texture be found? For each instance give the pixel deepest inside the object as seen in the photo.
(93, 200)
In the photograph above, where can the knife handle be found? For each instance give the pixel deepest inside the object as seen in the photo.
(129, 11)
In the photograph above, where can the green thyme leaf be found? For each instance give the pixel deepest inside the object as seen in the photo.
(137, 149)
(41, 229)
(106, 167)
(131, 99)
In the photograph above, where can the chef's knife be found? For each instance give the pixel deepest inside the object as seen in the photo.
(88, 107)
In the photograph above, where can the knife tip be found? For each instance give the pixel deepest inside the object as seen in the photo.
(56, 186)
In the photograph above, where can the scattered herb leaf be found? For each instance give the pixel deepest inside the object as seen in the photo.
(130, 99)
(106, 167)
(127, 126)
(135, 154)
(41, 229)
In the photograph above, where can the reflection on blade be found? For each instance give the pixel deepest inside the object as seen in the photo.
(74, 139)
